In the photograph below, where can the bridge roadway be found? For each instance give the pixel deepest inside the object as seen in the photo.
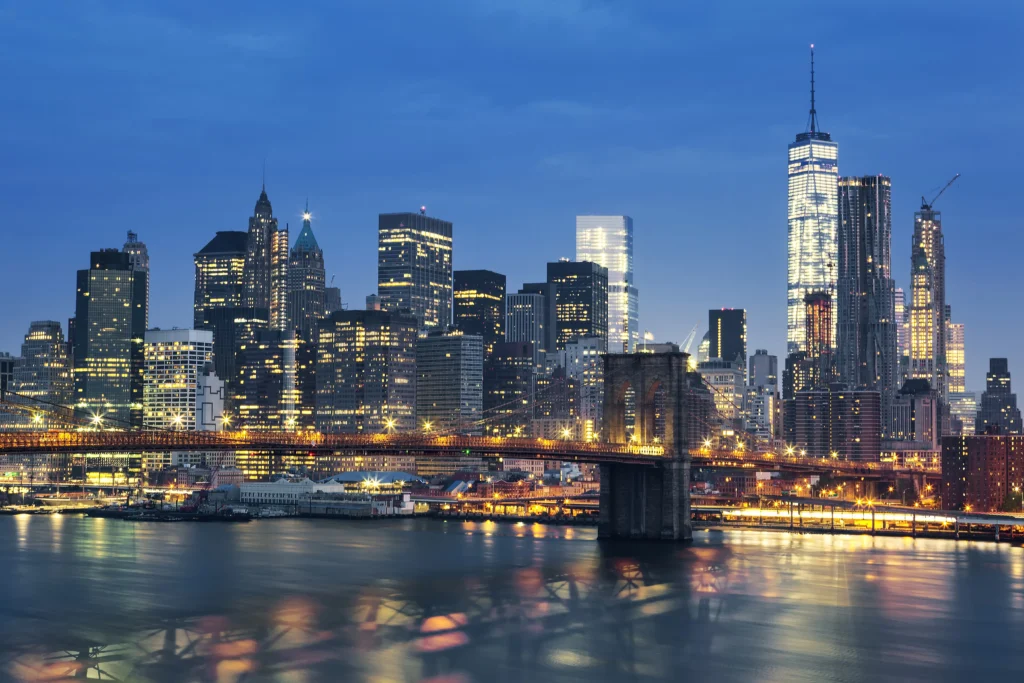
(110, 441)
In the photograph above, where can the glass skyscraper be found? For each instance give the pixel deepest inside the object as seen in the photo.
(266, 264)
(813, 214)
(219, 275)
(928, 301)
(480, 305)
(414, 267)
(608, 241)
(581, 301)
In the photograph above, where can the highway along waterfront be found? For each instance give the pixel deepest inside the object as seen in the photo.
(422, 599)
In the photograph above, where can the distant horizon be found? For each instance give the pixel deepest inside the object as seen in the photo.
(159, 120)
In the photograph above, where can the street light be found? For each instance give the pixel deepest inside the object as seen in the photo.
(566, 432)
(389, 425)
(427, 426)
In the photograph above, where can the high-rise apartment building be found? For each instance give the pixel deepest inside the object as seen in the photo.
(480, 305)
(956, 364)
(608, 242)
(819, 325)
(178, 380)
(998, 402)
(813, 215)
(902, 335)
(110, 322)
(220, 279)
(583, 362)
(366, 372)
(727, 335)
(138, 257)
(866, 329)
(838, 423)
(414, 267)
(509, 378)
(41, 376)
(928, 301)
(265, 275)
(306, 281)
(916, 416)
(726, 379)
(449, 383)
(581, 300)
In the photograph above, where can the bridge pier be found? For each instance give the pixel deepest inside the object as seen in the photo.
(645, 502)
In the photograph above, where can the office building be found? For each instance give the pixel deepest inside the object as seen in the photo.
(480, 305)
(179, 384)
(764, 370)
(232, 328)
(306, 281)
(763, 403)
(726, 380)
(840, 423)
(531, 317)
(220, 279)
(373, 302)
(727, 335)
(813, 215)
(138, 257)
(955, 358)
(449, 383)
(608, 242)
(902, 335)
(110, 322)
(963, 411)
(366, 372)
(982, 473)
(414, 267)
(509, 377)
(998, 411)
(41, 377)
(265, 274)
(866, 329)
(928, 301)
(916, 417)
(581, 301)
(267, 394)
(583, 363)
(332, 300)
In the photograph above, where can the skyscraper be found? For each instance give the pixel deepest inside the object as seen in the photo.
(220, 279)
(813, 211)
(267, 394)
(178, 363)
(583, 362)
(42, 375)
(232, 329)
(866, 337)
(449, 382)
(138, 256)
(265, 274)
(764, 370)
(306, 281)
(332, 300)
(727, 337)
(110, 322)
(581, 301)
(414, 267)
(928, 301)
(608, 242)
(902, 335)
(509, 377)
(480, 305)
(998, 402)
(546, 314)
(820, 351)
(366, 372)
(955, 358)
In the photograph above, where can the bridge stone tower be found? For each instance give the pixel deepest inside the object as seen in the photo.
(648, 501)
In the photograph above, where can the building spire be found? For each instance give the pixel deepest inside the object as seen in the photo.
(263, 178)
(814, 113)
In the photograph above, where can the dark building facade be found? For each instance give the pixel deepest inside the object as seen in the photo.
(414, 267)
(220, 280)
(728, 334)
(480, 305)
(110, 325)
(366, 372)
(232, 329)
(581, 301)
(306, 282)
(998, 405)
(838, 422)
(866, 343)
(508, 389)
(268, 393)
(984, 472)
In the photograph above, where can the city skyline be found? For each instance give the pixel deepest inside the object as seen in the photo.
(222, 205)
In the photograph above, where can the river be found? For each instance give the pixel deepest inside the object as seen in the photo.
(467, 602)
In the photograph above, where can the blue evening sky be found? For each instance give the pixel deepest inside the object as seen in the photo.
(507, 117)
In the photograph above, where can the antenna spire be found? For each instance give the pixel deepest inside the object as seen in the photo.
(263, 179)
(814, 113)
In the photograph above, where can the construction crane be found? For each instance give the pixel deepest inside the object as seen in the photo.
(926, 205)
(688, 342)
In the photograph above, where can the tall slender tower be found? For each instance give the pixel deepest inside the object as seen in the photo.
(414, 267)
(928, 301)
(608, 241)
(266, 264)
(866, 348)
(306, 280)
(813, 210)
(138, 256)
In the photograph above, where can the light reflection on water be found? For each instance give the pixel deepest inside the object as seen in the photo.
(419, 600)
